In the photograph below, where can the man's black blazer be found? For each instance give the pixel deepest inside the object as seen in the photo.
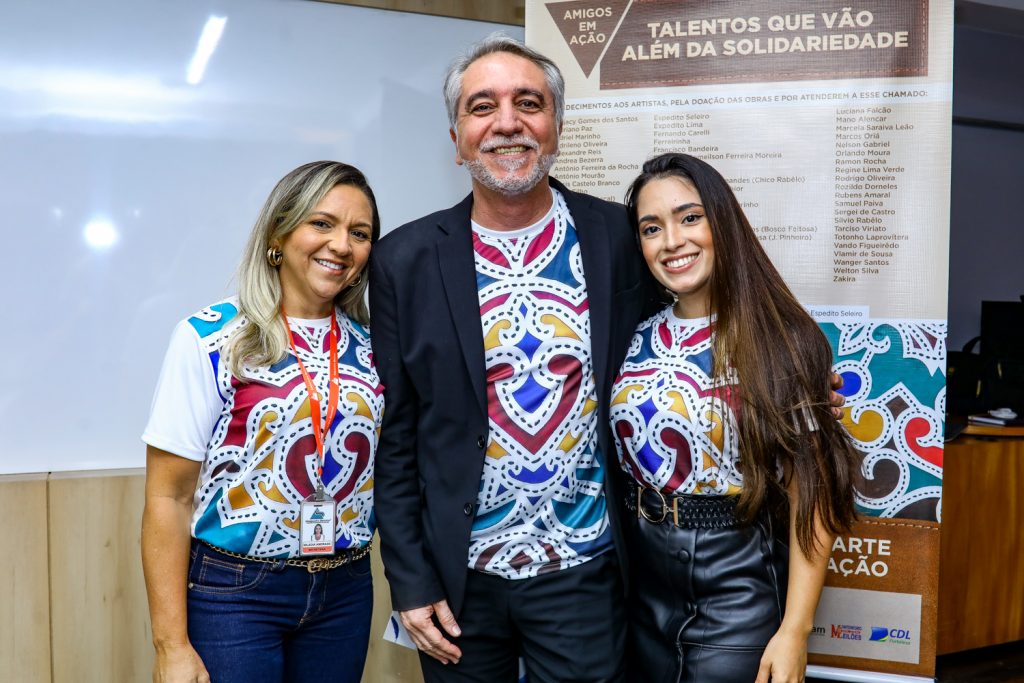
(428, 348)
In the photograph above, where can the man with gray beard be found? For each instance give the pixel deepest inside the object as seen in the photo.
(498, 325)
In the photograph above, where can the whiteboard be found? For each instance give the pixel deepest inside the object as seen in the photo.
(128, 192)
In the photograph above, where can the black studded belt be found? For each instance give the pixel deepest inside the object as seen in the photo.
(686, 510)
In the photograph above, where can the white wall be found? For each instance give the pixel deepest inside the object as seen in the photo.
(97, 122)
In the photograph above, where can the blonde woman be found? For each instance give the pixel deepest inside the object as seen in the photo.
(263, 429)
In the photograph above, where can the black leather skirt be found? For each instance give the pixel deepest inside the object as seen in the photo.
(707, 593)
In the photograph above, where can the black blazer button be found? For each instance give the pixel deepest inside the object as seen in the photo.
(480, 443)
(468, 509)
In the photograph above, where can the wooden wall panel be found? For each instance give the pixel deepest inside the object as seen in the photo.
(24, 588)
(101, 629)
(499, 11)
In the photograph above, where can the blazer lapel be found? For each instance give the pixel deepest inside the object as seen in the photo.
(592, 234)
(458, 273)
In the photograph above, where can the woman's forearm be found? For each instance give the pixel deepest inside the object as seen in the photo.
(165, 553)
(806, 573)
(170, 482)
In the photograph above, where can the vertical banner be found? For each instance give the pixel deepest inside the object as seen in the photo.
(832, 123)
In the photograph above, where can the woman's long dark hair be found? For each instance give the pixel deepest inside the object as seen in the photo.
(782, 361)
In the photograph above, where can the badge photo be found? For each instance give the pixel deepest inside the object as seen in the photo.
(316, 530)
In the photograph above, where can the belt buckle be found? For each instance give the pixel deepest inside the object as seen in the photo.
(316, 564)
(664, 505)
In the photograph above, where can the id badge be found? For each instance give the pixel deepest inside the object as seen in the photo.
(316, 529)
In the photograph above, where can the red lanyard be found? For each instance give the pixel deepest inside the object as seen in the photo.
(319, 430)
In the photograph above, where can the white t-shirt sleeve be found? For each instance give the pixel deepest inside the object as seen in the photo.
(186, 403)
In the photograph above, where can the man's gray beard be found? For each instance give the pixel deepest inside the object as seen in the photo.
(511, 185)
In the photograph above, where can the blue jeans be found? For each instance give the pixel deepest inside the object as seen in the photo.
(259, 622)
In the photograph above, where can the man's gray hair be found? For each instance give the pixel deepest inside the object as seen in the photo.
(492, 44)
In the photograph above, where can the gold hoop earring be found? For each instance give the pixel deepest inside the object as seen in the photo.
(274, 257)
(356, 281)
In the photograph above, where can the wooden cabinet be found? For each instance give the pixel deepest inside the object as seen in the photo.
(981, 566)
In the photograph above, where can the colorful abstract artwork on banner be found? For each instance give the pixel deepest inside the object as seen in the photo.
(893, 378)
(831, 122)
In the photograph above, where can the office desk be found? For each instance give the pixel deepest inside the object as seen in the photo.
(981, 560)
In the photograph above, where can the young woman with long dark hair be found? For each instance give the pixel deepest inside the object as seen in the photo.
(722, 419)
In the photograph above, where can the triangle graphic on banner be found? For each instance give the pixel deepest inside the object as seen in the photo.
(587, 27)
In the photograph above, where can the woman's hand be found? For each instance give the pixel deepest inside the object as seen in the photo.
(784, 659)
(179, 664)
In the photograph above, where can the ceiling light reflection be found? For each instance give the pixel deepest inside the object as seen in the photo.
(204, 50)
(43, 93)
(100, 234)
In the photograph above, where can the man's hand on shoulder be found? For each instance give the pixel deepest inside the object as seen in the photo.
(837, 400)
(419, 623)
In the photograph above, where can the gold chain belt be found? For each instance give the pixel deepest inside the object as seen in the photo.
(312, 564)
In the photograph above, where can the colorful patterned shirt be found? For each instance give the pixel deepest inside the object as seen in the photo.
(255, 438)
(541, 504)
(676, 425)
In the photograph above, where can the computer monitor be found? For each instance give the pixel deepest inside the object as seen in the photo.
(1002, 351)
(1002, 329)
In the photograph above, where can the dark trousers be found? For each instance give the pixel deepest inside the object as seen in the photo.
(569, 627)
(704, 602)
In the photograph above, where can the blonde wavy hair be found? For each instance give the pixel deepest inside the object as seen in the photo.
(261, 340)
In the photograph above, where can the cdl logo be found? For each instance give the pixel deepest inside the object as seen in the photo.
(882, 634)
